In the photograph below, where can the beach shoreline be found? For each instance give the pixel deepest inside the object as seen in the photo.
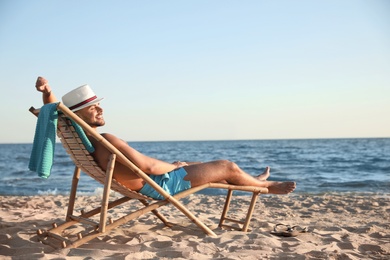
(340, 226)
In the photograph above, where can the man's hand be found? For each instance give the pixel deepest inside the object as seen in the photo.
(42, 85)
(179, 164)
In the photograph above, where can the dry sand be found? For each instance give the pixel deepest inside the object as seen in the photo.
(341, 226)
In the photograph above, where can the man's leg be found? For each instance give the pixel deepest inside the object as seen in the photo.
(226, 171)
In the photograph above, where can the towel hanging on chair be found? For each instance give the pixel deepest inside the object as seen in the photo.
(42, 154)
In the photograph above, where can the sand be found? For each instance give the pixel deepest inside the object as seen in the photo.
(341, 226)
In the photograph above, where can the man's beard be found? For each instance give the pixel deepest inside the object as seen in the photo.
(97, 124)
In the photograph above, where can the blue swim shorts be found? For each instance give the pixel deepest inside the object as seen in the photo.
(172, 182)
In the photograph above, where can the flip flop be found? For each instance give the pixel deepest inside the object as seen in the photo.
(288, 231)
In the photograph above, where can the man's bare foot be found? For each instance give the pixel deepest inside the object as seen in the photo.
(276, 187)
(264, 175)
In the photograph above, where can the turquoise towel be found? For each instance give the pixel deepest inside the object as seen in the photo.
(83, 137)
(42, 154)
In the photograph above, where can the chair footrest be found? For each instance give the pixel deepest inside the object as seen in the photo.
(85, 221)
(233, 220)
(45, 235)
(232, 227)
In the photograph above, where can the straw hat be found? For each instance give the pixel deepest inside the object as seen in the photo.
(80, 98)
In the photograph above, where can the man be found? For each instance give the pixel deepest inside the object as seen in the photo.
(173, 177)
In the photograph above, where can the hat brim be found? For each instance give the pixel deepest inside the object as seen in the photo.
(88, 104)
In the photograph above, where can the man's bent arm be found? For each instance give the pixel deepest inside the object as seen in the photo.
(147, 164)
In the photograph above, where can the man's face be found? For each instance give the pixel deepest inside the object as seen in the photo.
(92, 115)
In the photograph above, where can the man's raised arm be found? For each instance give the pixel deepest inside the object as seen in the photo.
(42, 85)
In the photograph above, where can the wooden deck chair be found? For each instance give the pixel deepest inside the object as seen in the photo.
(83, 161)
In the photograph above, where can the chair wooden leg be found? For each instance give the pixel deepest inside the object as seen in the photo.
(242, 225)
(106, 193)
(73, 190)
(250, 211)
(226, 207)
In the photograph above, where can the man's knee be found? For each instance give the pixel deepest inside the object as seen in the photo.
(231, 166)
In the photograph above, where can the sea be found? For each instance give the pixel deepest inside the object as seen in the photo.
(318, 166)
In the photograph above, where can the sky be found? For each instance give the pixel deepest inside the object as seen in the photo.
(203, 70)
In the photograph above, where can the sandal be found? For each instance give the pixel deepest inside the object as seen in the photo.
(288, 231)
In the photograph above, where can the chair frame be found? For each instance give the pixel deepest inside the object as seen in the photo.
(84, 161)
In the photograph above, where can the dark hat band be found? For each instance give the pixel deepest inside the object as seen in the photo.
(83, 103)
